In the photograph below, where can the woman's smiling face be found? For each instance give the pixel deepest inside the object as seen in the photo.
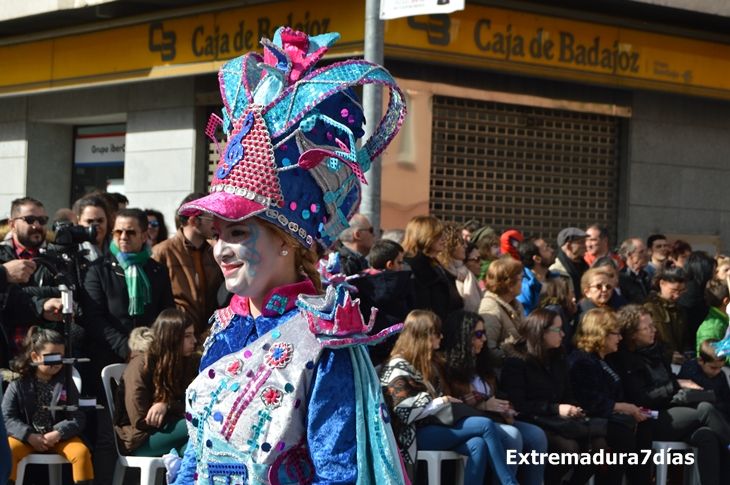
(249, 256)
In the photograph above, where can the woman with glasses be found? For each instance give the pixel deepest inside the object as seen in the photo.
(597, 386)
(670, 319)
(648, 382)
(471, 377)
(423, 242)
(461, 278)
(473, 260)
(157, 231)
(536, 380)
(597, 290)
(501, 311)
(612, 269)
(416, 393)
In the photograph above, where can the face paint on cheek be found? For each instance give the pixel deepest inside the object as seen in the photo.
(248, 251)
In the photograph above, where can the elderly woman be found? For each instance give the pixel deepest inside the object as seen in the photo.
(500, 310)
(612, 269)
(597, 385)
(452, 259)
(536, 380)
(597, 290)
(648, 382)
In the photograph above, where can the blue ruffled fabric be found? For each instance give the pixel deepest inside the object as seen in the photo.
(239, 333)
(332, 414)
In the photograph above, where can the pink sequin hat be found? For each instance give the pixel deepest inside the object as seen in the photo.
(292, 156)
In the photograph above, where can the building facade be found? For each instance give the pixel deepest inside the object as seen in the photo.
(522, 115)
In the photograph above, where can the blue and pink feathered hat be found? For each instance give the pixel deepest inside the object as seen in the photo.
(291, 156)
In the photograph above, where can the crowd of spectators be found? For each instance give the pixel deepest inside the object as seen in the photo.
(529, 332)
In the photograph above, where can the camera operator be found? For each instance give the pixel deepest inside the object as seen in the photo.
(92, 209)
(28, 229)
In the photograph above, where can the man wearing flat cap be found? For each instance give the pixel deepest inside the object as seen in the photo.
(570, 263)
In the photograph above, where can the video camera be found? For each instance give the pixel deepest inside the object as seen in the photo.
(67, 234)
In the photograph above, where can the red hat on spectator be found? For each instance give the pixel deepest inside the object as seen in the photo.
(509, 242)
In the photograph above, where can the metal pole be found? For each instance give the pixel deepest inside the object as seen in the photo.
(373, 107)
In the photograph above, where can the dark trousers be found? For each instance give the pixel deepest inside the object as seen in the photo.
(621, 439)
(704, 428)
(581, 473)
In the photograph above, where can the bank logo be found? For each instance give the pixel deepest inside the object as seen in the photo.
(162, 42)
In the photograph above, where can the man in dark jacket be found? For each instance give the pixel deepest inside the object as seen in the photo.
(128, 290)
(356, 243)
(632, 279)
(389, 289)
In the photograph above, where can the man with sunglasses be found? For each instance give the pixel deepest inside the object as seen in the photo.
(194, 274)
(127, 290)
(27, 224)
(356, 243)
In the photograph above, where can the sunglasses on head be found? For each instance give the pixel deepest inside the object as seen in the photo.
(119, 232)
(42, 220)
(154, 223)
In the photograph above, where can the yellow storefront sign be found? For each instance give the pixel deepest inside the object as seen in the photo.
(549, 46)
(483, 37)
(179, 46)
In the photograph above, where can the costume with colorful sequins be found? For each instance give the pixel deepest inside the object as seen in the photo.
(299, 403)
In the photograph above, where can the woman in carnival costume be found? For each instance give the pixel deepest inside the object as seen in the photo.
(286, 392)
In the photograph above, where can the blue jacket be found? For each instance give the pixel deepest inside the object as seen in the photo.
(531, 287)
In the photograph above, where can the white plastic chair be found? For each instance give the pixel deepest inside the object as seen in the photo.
(691, 474)
(53, 461)
(433, 461)
(148, 465)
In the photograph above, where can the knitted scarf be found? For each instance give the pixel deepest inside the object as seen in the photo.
(138, 286)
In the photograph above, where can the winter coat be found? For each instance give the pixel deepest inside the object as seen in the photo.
(501, 320)
(19, 406)
(351, 261)
(534, 389)
(106, 317)
(670, 320)
(133, 400)
(393, 294)
(596, 383)
(647, 376)
(432, 286)
(634, 287)
(531, 287)
(190, 297)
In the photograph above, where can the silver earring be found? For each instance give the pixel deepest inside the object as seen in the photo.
(284, 252)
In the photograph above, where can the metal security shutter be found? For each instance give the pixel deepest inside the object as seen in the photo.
(536, 170)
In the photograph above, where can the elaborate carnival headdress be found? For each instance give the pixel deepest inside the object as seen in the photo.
(291, 156)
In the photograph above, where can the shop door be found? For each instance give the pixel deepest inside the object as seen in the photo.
(536, 170)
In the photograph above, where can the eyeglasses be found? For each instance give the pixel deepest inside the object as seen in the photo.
(480, 334)
(370, 229)
(42, 220)
(154, 224)
(129, 232)
(554, 329)
(605, 286)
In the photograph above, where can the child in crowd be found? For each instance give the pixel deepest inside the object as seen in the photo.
(31, 426)
(388, 288)
(716, 323)
(150, 405)
(706, 371)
